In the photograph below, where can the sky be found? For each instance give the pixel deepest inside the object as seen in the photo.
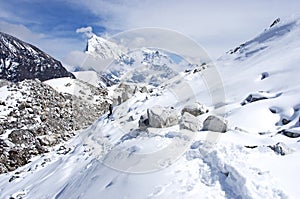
(54, 25)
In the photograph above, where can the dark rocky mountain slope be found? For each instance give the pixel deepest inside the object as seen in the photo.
(20, 60)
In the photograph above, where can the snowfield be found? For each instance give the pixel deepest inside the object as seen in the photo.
(258, 157)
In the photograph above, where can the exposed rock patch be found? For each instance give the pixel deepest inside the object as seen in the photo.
(35, 116)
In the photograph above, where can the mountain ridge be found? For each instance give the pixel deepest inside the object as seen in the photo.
(20, 60)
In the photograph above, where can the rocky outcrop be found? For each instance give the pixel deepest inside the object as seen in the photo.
(35, 116)
(195, 109)
(20, 60)
(160, 117)
(214, 123)
(126, 90)
(189, 122)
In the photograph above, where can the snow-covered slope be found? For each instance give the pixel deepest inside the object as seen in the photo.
(90, 77)
(115, 159)
(266, 68)
(103, 48)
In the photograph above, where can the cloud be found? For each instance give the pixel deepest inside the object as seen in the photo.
(87, 31)
(86, 61)
(20, 31)
(217, 26)
(55, 46)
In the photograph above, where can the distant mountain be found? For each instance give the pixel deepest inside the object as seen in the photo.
(20, 60)
(102, 48)
(150, 66)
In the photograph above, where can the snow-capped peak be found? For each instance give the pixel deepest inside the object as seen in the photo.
(103, 48)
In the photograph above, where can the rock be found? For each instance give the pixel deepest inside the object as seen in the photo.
(189, 122)
(22, 136)
(160, 117)
(126, 90)
(144, 89)
(253, 98)
(20, 60)
(123, 92)
(2, 144)
(291, 133)
(281, 149)
(264, 75)
(214, 123)
(261, 95)
(43, 118)
(3, 157)
(48, 140)
(195, 109)
(130, 119)
(54, 118)
(143, 122)
(3, 168)
(18, 158)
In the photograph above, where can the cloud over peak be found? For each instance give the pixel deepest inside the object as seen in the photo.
(87, 31)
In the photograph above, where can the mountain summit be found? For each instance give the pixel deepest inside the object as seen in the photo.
(103, 48)
(20, 60)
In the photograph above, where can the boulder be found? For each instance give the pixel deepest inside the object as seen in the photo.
(48, 140)
(189, 122)
(126, 90)
(18, 158)
(214, 123)
(160, 117)
(195, 109)
(22, 136)
(143, 89)
(143, 122)
(123, 92)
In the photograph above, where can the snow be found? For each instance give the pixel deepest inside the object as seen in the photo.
(103, 48)
(77, 87)
(114, 159)
(90, 77)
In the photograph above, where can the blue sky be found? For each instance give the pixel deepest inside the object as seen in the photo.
(56, 17)
(216, 25)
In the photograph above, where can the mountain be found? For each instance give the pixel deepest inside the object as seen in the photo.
(143, 151)
(20, 60)
(150, 66)
(103, 48)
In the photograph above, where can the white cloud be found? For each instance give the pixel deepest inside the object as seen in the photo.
(56, 47)
(87, 31)
(20, 31)
(86, 61)
(216, 25)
